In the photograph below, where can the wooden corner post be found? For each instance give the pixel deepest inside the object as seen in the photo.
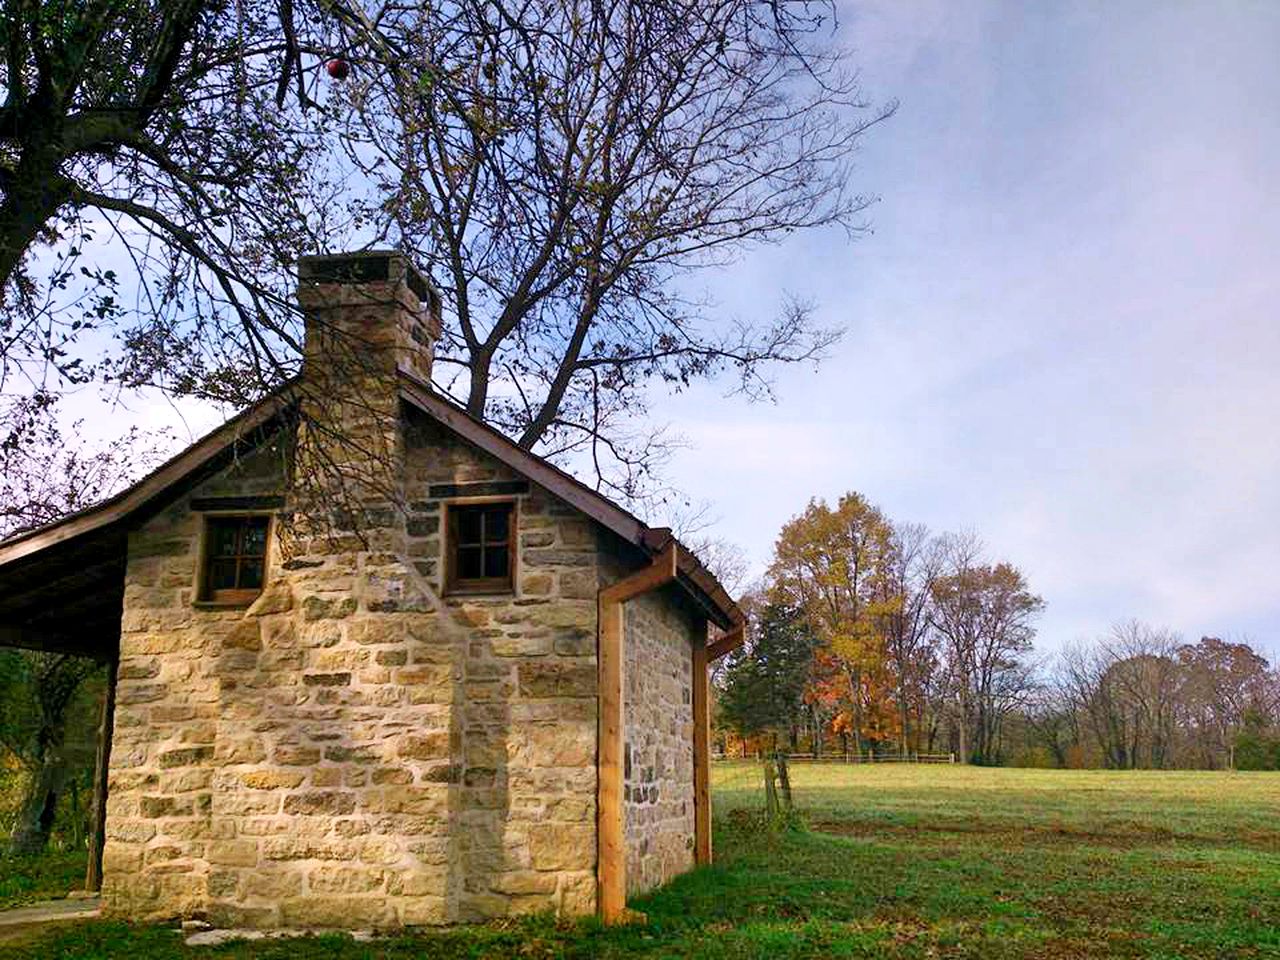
(611, 844)
(701, 759)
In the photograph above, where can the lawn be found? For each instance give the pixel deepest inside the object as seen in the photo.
(906, 861)
(25, 880)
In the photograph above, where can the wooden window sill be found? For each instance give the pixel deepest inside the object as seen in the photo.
(223, 604)
(480, 590)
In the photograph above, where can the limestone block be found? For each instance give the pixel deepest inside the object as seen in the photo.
(328, 802)
(272, 779)
(555, 679)
(233, 853)
(336, 879)
(341, 912)
(560, 846)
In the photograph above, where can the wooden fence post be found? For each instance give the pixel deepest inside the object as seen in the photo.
(784, 780)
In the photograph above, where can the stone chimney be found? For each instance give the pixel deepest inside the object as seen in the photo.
(368, 315)
(373, 307)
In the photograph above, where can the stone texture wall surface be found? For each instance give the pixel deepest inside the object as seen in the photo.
(355, 748)
(528, 714)
(658, 769)
(352, 749)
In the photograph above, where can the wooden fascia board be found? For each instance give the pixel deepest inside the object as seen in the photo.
(659, 573)
(551, 478)
(134, 498)
(601, 509)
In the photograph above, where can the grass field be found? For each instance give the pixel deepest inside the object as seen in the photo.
(907, 861)
(25, 880)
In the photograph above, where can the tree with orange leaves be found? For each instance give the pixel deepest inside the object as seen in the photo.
(829, 562)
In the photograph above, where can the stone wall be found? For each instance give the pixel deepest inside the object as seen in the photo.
(528, 719)
(353, 749)
(356, 749)
(660, 631)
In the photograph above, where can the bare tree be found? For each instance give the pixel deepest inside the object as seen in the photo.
(561, 168)
(1127, 686)
(564, 166)
(46, 473)
(161, 165)
(985, 613)
(911, 566)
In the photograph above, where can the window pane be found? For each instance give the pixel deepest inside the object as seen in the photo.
(495, 524)
(250, 575)
(255, 537)
(223, 538)
(495, 561)
(468, 525)
(222, 575)
(468, 563)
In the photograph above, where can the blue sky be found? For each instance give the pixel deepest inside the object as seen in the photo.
(1062, 331)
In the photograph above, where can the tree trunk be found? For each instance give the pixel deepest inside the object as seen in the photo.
(39, 807)
(37, 194)
(855, 691)
(902, 717)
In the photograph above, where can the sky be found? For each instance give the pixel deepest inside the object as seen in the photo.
(1061, 328)
(1062, 331)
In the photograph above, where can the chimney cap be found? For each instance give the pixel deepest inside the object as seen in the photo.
(368, 266)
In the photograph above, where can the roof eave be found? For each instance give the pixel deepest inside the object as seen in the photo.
(136, 497)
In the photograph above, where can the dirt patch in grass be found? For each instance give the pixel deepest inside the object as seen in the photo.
(1128, 839)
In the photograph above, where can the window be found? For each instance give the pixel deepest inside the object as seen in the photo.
(235, 557)
(481, 550)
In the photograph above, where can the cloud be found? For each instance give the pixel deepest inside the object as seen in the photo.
(1062, 332)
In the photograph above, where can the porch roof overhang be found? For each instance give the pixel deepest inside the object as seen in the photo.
(62, 585)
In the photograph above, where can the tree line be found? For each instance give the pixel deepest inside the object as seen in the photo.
(875, 637)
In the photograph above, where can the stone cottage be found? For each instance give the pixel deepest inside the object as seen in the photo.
(374, 664)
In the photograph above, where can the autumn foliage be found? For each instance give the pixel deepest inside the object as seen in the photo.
(914, 639)
(878, 638)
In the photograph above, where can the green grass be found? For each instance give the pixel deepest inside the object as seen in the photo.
(48, 877)
(905, 862)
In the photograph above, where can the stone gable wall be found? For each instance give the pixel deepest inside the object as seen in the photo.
(355, 750)
(352, 749)
(528, 715)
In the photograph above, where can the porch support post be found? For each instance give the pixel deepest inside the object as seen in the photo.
(701, 759)
(703, 655)
(611, 850)
(101, 769)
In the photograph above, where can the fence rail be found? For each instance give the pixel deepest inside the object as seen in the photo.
(852, 758)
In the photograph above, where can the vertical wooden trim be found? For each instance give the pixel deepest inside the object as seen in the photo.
(611, 863)
(701, 757)
(101, 771)
(611, 841)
